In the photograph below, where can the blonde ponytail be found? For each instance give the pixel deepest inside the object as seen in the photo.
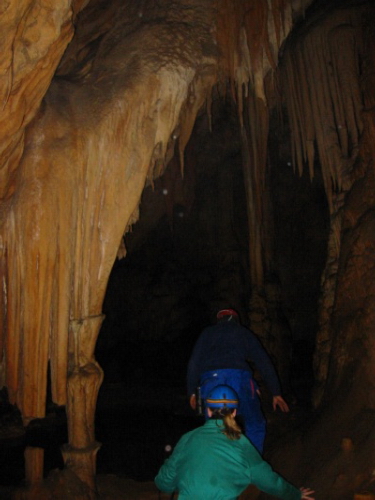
(231, 429)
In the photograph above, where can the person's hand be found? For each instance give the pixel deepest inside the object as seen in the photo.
(306, 494)
(278, 401)
(193, 402)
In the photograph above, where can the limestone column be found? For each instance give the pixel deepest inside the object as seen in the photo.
(84, 380)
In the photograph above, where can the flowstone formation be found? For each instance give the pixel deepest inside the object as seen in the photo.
(98, 99)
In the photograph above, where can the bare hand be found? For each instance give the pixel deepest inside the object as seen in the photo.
(306, 494)
(193, 402)
(278, 401)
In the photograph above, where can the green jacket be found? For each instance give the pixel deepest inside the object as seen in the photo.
(206, 465)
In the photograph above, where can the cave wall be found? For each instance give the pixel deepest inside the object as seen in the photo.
(326, 108)
(352, 317)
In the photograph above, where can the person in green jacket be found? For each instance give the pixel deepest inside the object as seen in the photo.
(217, 462)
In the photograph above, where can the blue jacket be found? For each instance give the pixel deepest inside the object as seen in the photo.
(206, 465)
(230, 345)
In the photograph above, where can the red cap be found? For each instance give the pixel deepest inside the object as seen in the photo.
(226, 312)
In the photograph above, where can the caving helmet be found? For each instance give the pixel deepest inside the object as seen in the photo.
(222, 396)
(227, 314)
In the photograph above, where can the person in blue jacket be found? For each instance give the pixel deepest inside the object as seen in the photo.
(221, 355)
(217, 462)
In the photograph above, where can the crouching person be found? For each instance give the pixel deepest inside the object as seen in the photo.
(216, 461)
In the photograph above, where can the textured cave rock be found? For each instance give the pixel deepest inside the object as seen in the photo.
(198, 119)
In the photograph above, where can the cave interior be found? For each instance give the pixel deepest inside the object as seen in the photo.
(161, 161)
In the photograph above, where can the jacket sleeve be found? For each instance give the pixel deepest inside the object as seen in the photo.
(267, 480)
(194, 366)
(167, 478)
(259, 356)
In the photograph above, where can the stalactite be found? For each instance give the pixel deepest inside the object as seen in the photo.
(256, 130)
(277, 8)
(321, 83)
(13, 319)
(324, 99)
(3, 313)
(249, 38)
(249, 35)
(228, 27)
(293, 111)
(255, 23)
(199, 92)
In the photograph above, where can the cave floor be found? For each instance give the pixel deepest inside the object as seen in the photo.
(133, 450)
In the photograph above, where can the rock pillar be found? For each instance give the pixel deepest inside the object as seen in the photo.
(84, 380)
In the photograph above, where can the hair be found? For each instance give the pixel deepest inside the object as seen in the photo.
(231, 429)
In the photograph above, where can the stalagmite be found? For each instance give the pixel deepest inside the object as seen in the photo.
(84, 379)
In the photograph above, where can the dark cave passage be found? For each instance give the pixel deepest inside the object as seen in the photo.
(186, 258)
